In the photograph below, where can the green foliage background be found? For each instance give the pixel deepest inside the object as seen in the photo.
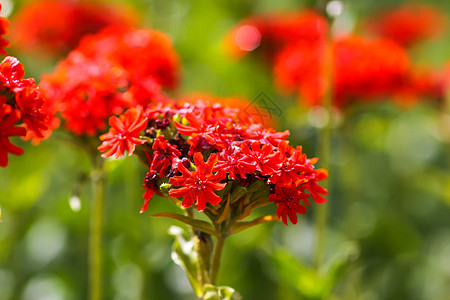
(389, 222)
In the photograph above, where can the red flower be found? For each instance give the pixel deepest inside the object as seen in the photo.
(314, 188)
(163, 155)
(11, 74)
(234, 162)
(267, 160)
(123, 134)
(197, 124)
(8, 118)
(198, 187)
(30, 104)
(288, 201)
(408, 24)
(292, 167)
(4, 23)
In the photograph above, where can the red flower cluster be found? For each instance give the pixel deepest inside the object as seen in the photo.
(206, 154)
(303, 61)
(362, 69)
(270, 33)
(109, 71)
(21, 108)
(408, 24)
(56, 26)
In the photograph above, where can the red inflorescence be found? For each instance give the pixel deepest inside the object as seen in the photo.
(117, 68)
(56, 26)
(21, 108)
(408, 24)
(361, 69)
(204, 153)
(4, 23)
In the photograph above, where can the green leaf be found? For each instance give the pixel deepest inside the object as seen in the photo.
(183, 254)
(212, 292)
(197, 224)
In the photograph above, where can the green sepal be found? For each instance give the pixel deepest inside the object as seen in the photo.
(197, 224)
(212, 292)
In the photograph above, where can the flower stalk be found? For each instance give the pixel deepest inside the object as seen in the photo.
(321, 214)
(96, 228)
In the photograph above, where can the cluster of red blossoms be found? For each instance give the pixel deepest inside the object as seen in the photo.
(21, 104)
(408, 24)
(117, 68)
(207, 156)
(35, 31)
(361, 68)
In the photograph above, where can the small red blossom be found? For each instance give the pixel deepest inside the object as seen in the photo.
(164, 155)
(234, 162)
(288, 201)
(30, 104)
(123, 134)
(314, 188)
(198, 187)
(11, 74)
(268, 161)
(292, 167)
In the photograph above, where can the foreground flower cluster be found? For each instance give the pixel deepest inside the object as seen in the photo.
(209, 158)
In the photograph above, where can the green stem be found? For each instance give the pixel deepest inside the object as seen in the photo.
(96, 228)
(324, 154)
(217, 255)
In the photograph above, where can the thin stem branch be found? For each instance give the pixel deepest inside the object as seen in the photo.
(324, 154)
(96, 228)
(217, 255)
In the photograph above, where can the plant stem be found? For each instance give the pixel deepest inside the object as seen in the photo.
(96, 228)
(324, 153)
(217, 255)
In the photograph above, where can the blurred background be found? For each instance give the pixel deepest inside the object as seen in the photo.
(388, 233)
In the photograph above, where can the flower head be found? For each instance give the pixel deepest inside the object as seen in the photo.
(123, 134)
(198, 187)
(288, 200)
(245, 162)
